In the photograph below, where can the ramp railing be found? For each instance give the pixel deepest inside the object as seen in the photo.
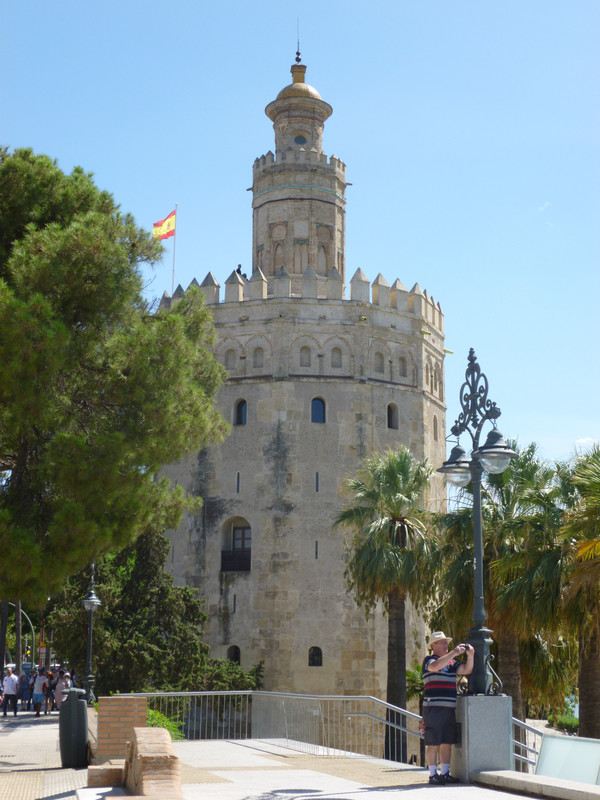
(313, 724)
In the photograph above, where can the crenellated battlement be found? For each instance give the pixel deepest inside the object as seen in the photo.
(285, 158)
(379, 295)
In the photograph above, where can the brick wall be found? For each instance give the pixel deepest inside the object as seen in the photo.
(117, 716)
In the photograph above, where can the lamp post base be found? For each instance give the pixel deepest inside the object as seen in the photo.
(480, 680)
(90, 697)
(486, 737)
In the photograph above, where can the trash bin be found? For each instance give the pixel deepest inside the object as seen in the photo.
(73, 729)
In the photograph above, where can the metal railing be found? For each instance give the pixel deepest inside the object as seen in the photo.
(314, 724)
(526, 745)
(201, 715)
(337, 725)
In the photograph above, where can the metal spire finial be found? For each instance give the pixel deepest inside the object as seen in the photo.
(298, 57)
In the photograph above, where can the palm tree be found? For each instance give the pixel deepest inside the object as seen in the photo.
(529, 584)
(388, 523)
(582, 596)
(516, 505)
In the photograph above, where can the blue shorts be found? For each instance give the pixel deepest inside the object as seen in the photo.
(38, 697)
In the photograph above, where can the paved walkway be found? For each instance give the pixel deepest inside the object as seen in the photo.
(257, 770)
(30, 769)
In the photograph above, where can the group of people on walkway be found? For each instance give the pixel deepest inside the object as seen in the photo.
(36, 690)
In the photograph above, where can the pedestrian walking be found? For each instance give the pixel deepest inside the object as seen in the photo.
(39, 690)
(62, 685)
(24, 690)
(10, 688)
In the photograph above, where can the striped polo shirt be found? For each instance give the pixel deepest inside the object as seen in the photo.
(439, 687)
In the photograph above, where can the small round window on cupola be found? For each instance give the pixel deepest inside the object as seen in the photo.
(300, 139)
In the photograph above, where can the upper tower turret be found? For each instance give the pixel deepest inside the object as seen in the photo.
(298, 114)
(298, 194)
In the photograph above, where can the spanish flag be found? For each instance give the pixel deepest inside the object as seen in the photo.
(164, 227)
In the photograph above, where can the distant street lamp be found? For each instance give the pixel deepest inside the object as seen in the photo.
(494, 457)
(90, 603)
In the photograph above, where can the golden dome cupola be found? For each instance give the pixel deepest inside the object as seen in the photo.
(298, 114)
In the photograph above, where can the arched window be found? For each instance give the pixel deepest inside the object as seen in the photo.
(258, 357)
(230, 359)
(279, 257)
(240, 412)
(322, 261)
(402, 367)
(315, 657)
(379, 362)
(233, 653)
(300, 257)
(392, 416)
(305, 356)
(435, 428)
(336, 358)
(317, 410)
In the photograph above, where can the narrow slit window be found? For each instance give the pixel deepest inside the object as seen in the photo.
(240, 412)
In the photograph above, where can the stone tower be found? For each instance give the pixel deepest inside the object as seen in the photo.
(317, 382)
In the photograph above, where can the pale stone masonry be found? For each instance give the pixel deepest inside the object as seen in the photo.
(320, 376)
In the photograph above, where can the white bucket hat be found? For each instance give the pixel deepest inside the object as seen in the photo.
(437, 636)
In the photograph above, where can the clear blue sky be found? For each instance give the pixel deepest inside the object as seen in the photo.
(469, 130)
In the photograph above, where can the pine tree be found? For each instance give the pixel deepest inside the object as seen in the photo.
(147, 634)
(96, 392)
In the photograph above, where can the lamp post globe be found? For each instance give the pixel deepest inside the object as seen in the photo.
(495, 455)
(459, 470)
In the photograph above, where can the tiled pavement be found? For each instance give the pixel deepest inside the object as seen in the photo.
(30, 769)
(258, 770)
(30, 766)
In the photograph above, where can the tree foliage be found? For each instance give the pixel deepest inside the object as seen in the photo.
(147, 634)
(384, 513)
(96, 392)
(527, 564)
(581, 536)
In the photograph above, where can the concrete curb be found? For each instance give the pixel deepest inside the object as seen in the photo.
(538, 785)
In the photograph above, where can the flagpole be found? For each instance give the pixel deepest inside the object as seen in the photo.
(174, 246)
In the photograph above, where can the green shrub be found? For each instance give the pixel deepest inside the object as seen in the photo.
(154, 719)
(564, 722)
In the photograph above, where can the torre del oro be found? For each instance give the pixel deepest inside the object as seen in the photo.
(324, 368)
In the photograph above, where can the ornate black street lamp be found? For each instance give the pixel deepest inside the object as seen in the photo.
(90, 603)
(459, 469)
